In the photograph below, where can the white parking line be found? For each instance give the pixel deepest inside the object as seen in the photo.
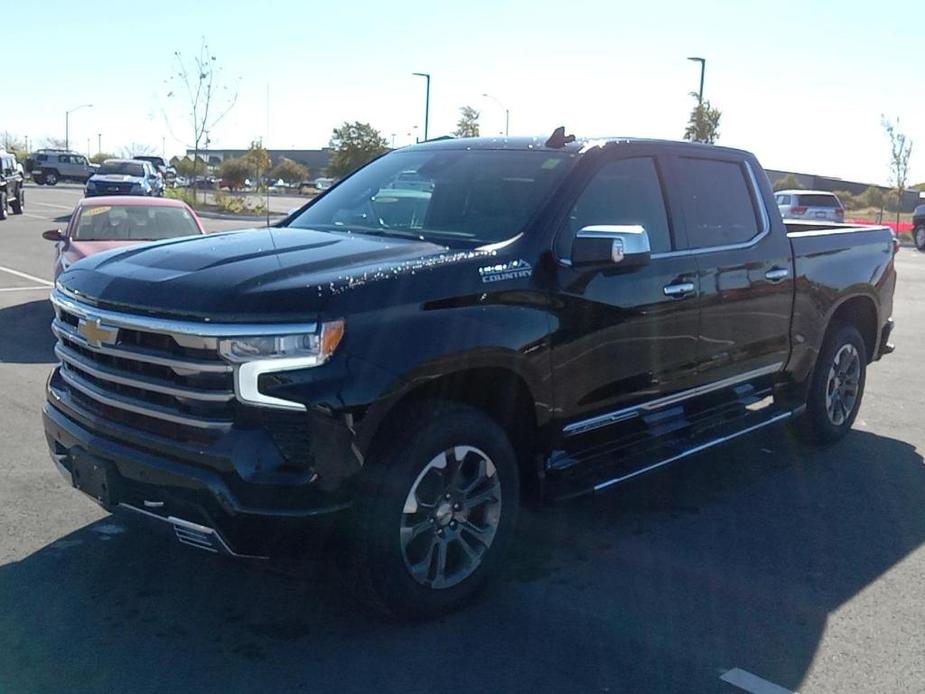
(23, 289)
(752, 683)
(35, 216)
(48, 204)
(31, 278)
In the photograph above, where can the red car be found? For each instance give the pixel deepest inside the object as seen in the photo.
(98, 224)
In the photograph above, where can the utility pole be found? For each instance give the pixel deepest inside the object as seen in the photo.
(67, 115)
(99, 142)
(703, 69)
(426, 101)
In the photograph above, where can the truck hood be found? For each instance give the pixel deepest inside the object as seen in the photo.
(258, 275)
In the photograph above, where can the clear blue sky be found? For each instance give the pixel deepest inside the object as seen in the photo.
(802, 84)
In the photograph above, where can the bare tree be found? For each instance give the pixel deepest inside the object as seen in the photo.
(198, 79)
(900, 151)
(134, 149)
(10, 142)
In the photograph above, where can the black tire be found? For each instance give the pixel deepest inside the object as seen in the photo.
(377, 567)
(19, 202)
(918, 236)
(38, 180)
(51, 178)
(818, 425)
(3, 204)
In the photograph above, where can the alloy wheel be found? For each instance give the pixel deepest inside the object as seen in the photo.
(450, 517)
(842, 386)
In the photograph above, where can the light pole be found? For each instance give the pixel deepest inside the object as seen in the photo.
(67, 116)
(426, 101)
(507, 114)
(703, 69)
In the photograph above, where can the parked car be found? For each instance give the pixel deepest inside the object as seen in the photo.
(12, 195)
(125, 177)
(162, 166)
(102, 223)
(543, 326)
(810, 204)
(918, 227)
(48, 166)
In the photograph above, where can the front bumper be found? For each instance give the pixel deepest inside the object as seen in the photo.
(210, 505)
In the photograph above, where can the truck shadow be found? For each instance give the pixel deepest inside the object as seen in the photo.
(734, 560)
(25, 333)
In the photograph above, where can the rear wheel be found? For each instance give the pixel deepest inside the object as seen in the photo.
(918, 235)
(3, 204)
(19, 202)
(51, 178)
(837, 387)
(435, 513)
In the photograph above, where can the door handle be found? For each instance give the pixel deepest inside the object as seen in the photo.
(777, 274)
(680, 290)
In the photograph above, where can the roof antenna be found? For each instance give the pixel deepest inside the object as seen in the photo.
(559, 139)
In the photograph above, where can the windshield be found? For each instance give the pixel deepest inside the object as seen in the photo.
(133, 223)
(448, 196)
(122, 168)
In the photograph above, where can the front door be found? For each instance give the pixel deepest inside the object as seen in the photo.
(624, 337)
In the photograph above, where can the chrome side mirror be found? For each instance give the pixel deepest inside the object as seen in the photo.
(618, 245)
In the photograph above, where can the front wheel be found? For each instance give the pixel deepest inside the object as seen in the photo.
(837, 387)
(918, 236)
(435, 512)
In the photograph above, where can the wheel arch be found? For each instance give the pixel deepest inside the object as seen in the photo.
(860, 311)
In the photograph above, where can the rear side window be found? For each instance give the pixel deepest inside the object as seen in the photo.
(627, 192)
(41, 157)
(717, 200)
(819, 201)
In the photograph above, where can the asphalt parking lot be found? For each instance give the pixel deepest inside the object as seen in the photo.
(765, 559)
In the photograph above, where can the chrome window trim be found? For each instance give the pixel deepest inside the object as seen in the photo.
(586, 425)
(764, 226)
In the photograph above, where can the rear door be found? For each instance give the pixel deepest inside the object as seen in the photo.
(745, 266)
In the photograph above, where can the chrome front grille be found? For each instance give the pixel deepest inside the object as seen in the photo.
(153, 374)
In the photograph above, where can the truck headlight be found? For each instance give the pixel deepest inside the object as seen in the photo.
(320, 345)
(254, 356)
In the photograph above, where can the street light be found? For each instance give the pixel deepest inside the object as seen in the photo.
(67, 115)
(507, 114)
(426, 101)
(703, 69)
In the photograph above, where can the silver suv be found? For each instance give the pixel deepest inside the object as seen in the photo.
(810, 205)
(48, 166)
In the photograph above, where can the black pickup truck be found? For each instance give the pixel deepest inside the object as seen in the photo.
(404, 362)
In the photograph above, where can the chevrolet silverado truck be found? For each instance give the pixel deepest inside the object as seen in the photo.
(401, 367)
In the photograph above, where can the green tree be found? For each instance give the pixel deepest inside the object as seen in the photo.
(354, 144)
(290, 171)
(234, 172)
(184, 166)
(788, 182)
(703, 125)
(100, 157)
(848, 199)
(873, 197)
(258, 159)
(468, 123)
(900, 151)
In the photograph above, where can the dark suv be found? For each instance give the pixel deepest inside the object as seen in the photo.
(11, 192)
(48, 166)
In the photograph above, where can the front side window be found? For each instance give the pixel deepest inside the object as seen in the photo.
(623, 192)
(133, 223)
(717, 200)
(450, 196)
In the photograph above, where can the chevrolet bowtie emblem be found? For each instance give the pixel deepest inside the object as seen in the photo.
(95, 333)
